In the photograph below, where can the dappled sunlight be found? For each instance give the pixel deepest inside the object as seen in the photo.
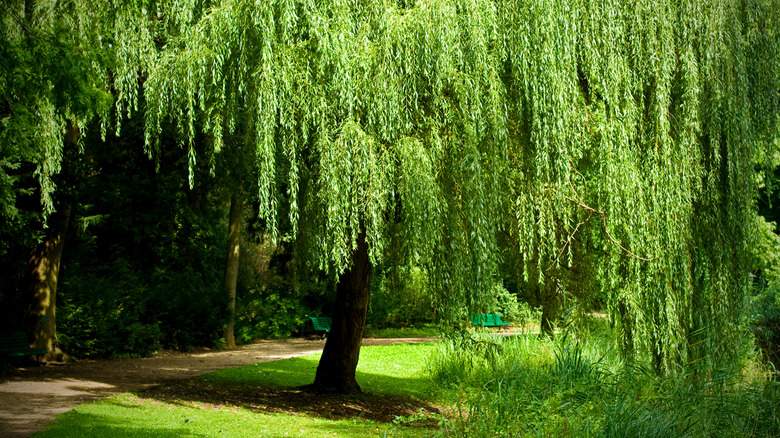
(295, 401)
(393, 379)
(401, 372)
(65, 387)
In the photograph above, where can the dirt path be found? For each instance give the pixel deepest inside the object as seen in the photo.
(32, 398)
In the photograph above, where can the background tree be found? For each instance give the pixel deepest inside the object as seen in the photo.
(53, 83)
(235, 172)
(231, 269)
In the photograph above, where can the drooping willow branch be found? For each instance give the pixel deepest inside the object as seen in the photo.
(24, 26)
(568, 241)
(578, 201)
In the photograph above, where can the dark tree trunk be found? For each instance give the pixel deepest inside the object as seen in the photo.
(336, 370)
(657, 356)
(231, 270)
(627, 324)
(550, 303)
(43, 271)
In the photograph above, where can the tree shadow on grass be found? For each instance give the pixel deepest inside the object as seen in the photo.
(300, 371)
(296, 401)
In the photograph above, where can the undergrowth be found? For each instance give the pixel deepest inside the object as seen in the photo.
(578, 386)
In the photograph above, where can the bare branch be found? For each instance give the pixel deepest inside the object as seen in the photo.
(592, 211)
(24, 26)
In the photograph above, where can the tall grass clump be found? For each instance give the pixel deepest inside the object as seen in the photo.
(578, 385)
(725, 405)
(764, 316)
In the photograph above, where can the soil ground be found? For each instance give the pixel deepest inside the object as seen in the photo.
(33, 396)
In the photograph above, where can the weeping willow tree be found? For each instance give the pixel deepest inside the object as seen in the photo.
(371, 120)
(440, 122)
(633, 127)
(636, 122)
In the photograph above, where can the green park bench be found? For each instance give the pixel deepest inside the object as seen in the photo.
(15, 344)
(321, 324)
(488, 320)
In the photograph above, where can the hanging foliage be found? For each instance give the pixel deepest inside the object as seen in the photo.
(52, 79)
(640, 121)
(382, 113)
(632, 123)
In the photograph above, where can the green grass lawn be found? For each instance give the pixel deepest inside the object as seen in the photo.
(384, 371)
(389, 369)
(127, 415)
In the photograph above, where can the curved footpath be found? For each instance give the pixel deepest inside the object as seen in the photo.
(31, 398)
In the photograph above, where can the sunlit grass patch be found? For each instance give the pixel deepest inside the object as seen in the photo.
(129, 416)
(399, 369)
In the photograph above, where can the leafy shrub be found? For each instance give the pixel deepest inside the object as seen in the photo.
(505, 304)
(400, 299)
(764, 305)
(269, 303)
(269, 313)
(95, 330)
(187, 305)
(764, 311)
(112, 311)
(95, 309)
(143, 339)
(511, 308)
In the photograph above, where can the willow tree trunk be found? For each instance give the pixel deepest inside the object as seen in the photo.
(336, 370)
(627, 328)
(550, 303)
(231, 269)
(43, 272)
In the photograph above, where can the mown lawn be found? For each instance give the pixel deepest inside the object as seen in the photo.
(262, 400)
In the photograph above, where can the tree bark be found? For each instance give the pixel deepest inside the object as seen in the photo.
(231, 269)
(627, 325)
(336, 370)
(550, 304)
(43, 272)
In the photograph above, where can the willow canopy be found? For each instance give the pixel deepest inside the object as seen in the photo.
(447, 122)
